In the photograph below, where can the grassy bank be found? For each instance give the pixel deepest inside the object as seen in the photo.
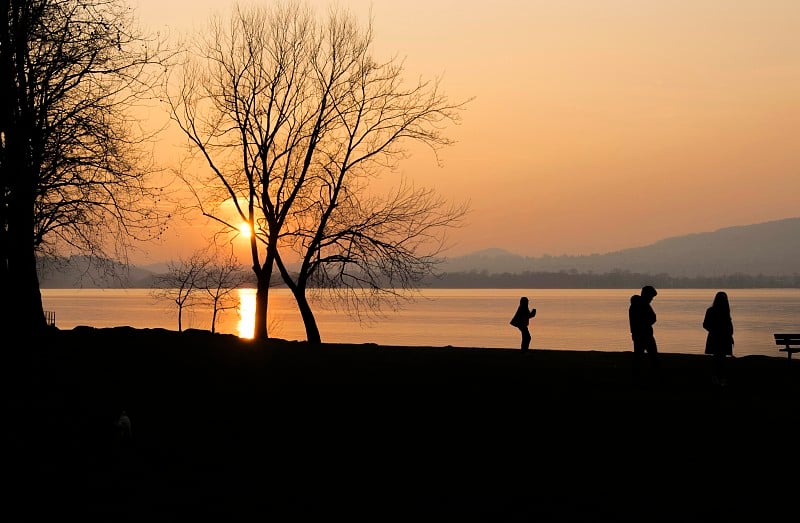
(282, 431)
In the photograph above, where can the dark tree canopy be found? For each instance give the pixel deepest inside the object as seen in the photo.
(74, 170)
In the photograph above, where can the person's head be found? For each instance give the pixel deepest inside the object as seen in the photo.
(523, 301)
(721, 301)
(649, 292)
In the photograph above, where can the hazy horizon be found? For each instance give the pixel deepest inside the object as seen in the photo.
(594, 127)
(513, 252)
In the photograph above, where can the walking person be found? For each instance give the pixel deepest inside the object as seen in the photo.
(521, 320)
(719, 342)
(642, 317)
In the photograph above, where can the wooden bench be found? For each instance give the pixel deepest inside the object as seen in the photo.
(790, 342)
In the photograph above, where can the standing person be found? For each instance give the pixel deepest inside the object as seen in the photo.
(521, 320)
(719, 342)
(642, 317)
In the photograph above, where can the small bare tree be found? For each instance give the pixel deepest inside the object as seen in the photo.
(182, 282)
(221, 281)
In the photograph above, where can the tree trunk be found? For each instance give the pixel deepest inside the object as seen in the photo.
(20, 179)
(263, 280)
(6, 118)
(27, 313)
(262, 305)
(309, 321)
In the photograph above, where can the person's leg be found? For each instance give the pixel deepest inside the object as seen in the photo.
(638, 349)
(526, 338)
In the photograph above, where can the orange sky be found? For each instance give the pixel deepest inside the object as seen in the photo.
(597, 125)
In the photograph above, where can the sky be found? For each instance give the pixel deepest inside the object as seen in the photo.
(595, 125)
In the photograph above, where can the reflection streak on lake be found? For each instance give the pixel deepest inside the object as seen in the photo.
(575, 319)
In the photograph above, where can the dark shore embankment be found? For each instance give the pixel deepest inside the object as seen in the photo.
(235, 430)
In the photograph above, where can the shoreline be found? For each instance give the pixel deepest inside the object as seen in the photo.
(479, 320)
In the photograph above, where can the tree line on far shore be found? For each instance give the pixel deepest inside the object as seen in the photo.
(80, 272)
(607, 280)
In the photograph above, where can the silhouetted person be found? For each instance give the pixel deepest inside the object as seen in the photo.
(642, 317)
(521, 320)
(719, 342)
(123, 428)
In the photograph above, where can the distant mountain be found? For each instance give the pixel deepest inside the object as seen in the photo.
(770, 248)
(155, 268)
(91, 272)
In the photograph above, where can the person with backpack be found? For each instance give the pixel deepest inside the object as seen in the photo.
(521, 320)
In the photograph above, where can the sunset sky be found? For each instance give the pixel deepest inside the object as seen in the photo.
(596, 125)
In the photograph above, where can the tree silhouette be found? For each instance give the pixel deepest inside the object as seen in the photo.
(207, 277)
(74, 177)
(292, 117)
(221, 279)
(182, 282)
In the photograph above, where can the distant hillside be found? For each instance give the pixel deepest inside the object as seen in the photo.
(91, 272)
(770, 248)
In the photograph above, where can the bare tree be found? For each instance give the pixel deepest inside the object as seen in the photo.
(183, 282)
(367, 252)
(75, 178)
(292, 115)
(221, 281)
(242, 103)
(207, 277)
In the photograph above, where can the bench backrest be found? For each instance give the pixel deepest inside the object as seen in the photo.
(787, 339)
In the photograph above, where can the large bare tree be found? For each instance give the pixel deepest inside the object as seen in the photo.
(75, 177)
(293, 116)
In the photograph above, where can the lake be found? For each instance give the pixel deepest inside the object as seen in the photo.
(573, 319)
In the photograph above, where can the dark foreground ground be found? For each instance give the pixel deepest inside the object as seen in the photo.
(232, 430)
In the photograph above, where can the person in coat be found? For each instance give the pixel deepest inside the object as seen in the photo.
(719, 341)
(641, 318)
(521, 320)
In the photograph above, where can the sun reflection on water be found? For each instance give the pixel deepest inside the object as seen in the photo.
(247, 313)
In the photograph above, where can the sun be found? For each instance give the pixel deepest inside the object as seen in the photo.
(244, 229)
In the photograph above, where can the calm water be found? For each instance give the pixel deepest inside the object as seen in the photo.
(574, 319)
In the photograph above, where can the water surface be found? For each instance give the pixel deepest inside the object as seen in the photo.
(574, 319)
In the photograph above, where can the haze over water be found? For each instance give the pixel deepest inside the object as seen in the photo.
(572, 319)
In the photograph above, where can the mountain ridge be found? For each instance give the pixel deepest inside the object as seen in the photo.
(767, 248)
